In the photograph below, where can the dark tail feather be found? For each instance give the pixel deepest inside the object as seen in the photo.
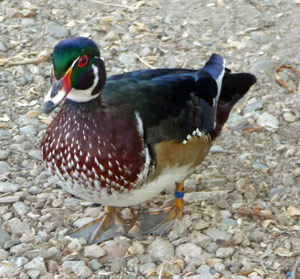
(234, 87)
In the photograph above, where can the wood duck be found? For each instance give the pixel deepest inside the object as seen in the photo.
(121, 140)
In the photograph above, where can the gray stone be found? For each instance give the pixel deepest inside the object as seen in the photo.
(34, 190)
(21, 208)
(6, 187)
(127, 59)
(288, 180)
(19, 261)
(4, 133)
(79, 268)
(189, 252)
(35, 154)
(212, 247)
(23, 275)
(56, 30)
(33, 273)
(161, 250)
(36, 264)
(28, 130)
(257, 105)
(16, 226)
(268, 121)
(95, 264)
(118, 264)
(94, 251)
(4, 154)
(3, 255)
(262, 66)
(82, 221)
(204, 272)
(218, 235)
(200, 239)
(224, 252)
(229, 222)
(146, 268)
(7, 271)
(2, 47)
(4, 167)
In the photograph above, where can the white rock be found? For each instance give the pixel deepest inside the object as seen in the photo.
(189, 252)
(94, 251)
(79, 268)
(269, 121)
(36, 264)
(161, 250)
(21, 208)
(3, 255)
(224, 252)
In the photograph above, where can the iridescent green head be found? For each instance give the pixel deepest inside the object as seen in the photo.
(78, 73)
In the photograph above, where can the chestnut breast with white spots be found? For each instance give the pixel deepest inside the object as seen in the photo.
(95, 151)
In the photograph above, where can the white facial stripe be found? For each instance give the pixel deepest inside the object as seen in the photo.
(57, 98)
(219, 81)
(85, 95)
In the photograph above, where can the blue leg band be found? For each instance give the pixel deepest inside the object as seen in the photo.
(178, 194)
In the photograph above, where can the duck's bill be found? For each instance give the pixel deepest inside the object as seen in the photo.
(58, 92)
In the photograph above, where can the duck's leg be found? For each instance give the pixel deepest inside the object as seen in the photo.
(103, 228)
(158, 221)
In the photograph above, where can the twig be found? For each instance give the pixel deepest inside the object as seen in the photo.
(161, 270)
(262, 264)
(15, 61)
(134, 7)
(281, 81)
(144, 62)
(294, 270)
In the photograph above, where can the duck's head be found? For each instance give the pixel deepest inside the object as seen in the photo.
(77, 74)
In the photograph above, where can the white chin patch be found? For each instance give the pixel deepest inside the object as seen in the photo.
(81, 96)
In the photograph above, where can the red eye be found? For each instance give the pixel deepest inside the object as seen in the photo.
(83, 61)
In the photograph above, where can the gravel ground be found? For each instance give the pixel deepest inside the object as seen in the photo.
(241, 215)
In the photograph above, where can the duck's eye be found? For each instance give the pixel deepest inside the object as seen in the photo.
(83, 61)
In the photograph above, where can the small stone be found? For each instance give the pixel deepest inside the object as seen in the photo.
(204, 272)
(145, 52)
(218, 235)
(52, 266)
(35, 154)
(161, 250)
(214, 182)
(189, 252)
(7, 271)
(127, 59)
(95, 264)
(16, 226)
(94, 251)
(82, 221)
(33, 274)
(126, 214)
(6, 187)
(4, 154)
(127, 38)
(262, 66)
(289, 117)
(147, 268)
(256, 105)
(199, 239)
(23, 275)
(19, 261)
(268, 121)
(21, 208)
(118, 264)
(28, 130)
(79, 268)
(114, 248)
(4, 167)
(224, 252)
(288, 180)
(201, 225)
(2, 47)
(212, 247)
(229, 222)
(111, 36)
(4, 133)
(3, 255)
(36, 264)
(139, 247)
(57, 203)
(56, 30)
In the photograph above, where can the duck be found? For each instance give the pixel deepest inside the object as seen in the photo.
(121, 140)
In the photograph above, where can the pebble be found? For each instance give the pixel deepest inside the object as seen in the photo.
(94, 251)
(147, 268)
(256, 105)
(21, 208)
(114, 248)
(212, 247)
(262, 66)
(289, 117)
(79, 268)
(4, 167)
(95, 264)
(16, 226)
(3, 255)
(199, 239)
(56, 30)
(19, 261)
(2, 47)
(4, 154)
(229, 222)
(269, 121)
(36, 263)
(6, 187)
(218, 235)
(7, 270)
(288, 180)
(204, 272)
(224, 252)
(82, 221)
(127, 59)
(28, 130)
(35, 154)
(4, 133)
(118, 264)
(33, 273)
(189, 252)
(161, 250)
